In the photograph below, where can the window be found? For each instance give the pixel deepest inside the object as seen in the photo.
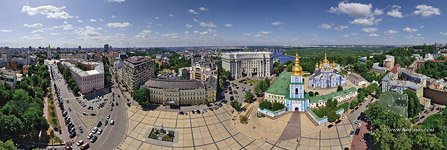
(296, 91)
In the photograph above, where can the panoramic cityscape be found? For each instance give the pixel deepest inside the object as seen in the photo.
(205, 75)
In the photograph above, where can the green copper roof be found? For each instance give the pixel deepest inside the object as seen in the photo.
(280, 85)
(316, 99)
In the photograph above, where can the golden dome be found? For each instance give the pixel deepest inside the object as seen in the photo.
(297, 70)
(325, 61)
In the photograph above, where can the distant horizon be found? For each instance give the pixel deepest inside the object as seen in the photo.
(159, 23)
(284, 46)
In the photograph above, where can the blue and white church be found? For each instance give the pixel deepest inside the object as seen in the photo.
(296, 99)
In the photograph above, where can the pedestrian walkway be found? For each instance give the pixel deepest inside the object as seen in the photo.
(293, 128)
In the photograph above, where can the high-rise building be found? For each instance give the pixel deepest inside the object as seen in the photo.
(106, 47)
(248, 64)
(388, 63)
(136, 71)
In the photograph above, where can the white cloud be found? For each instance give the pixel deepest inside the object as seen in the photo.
(33, 37)
(157, 17)
(186, 32)
(373, 35)
(187, 26)
(207, 24)
(171, 15)
(426, 10)
(87, 31)
(246, 34)
(341, 28)
(5, 30)
(38, 31)
(80, 21)
(117, 1)
(192, 11)
(390, 32)
(443, 33)
(67, 26)
(378, 12)
(92, 20)
(118, 24)
(36, 25)
(366, 21)
(409, 30)
(170, 35)
(369, 30)
(277, 23)
(262, 34)
(143, 34)
(49, 11)
(352, 9)
(325, 26)
(363, 13)
(54, 33)
(395, 12)
(228, 25)
(203, 9)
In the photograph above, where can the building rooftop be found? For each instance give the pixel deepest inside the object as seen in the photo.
(280, 85)
(320, 98)
(168, 84)
(394, 102)
(138, 59)
(99, 69)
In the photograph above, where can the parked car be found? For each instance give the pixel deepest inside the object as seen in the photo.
(84, 146)
(112, 122)
(93, 139)
(81, 130)
(80, 142)
(99, 131)
(90, 135)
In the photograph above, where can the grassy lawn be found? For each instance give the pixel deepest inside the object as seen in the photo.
(52, 115)
(153, 135)
(168, 138)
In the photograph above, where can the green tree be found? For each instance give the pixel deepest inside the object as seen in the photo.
(7, 145)
(339, 88)
(265, 105)
(248, 97)
(414, 106)
(277, 106)
(142, 96)
(311, 94)
(236, 105)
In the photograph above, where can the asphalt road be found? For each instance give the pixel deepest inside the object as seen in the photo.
(112, 135)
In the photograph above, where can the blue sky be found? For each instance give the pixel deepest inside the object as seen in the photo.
(148, 23)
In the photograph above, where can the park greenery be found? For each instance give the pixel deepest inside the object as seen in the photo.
(261, 86)
(362, 93)
(249, 97)
(107, 75)
(69, 78)
(388, 131)
(414, 106)
(434, 70)
(142, 97)
(271, 106)
(21, 108)
(236, 105)
(7, 145)
(330, 109)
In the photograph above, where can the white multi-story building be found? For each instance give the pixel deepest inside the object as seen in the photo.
(248, 64)
(89, 77)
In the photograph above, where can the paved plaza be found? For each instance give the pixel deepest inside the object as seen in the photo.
(217, 130)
